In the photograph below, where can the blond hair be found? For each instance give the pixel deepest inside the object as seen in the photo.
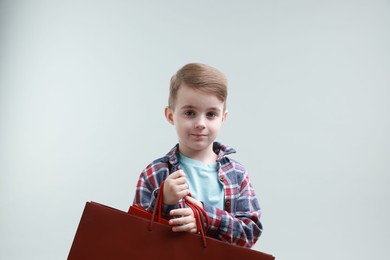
(199, 77)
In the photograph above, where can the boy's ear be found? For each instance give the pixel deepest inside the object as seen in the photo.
(169, 115)
(224, 116)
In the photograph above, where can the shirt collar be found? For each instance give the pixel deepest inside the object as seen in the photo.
(220, 149)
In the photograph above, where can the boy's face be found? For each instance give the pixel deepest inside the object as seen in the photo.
(197, 117)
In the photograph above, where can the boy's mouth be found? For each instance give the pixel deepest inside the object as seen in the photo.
(198, 135)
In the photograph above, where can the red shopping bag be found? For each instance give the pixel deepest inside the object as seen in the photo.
(108, 233)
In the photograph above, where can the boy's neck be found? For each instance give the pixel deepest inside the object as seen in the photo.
(206, 156)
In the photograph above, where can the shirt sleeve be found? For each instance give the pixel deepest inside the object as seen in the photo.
(239, 223)
(148, 187)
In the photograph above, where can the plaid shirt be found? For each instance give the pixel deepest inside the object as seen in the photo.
(238, 223)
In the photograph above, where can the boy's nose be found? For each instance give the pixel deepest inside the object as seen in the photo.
(199, 124)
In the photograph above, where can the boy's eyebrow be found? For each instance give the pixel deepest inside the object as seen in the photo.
(193, 107)
(187, 106)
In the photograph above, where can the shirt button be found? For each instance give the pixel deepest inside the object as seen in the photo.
(221, 178)
(227, 203)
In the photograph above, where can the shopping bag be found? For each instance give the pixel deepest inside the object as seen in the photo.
(108, 233)
(201, 217)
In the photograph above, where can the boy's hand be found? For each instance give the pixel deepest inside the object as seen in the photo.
(175, 188)
(185, 219)
(194, 201)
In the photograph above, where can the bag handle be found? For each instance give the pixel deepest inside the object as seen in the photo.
(201, 217)
(157, 207)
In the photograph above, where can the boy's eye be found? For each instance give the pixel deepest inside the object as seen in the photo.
(189, 113)
(211, 114)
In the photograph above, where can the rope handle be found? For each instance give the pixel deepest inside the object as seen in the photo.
(201, 217)
(157, 207)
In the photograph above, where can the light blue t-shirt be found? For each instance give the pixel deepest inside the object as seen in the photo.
(203, 181)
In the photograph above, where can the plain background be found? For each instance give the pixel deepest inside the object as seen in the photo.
(83, 85)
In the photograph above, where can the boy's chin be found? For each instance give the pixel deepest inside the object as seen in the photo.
(201, 146)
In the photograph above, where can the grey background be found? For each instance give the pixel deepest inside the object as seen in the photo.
(83, 85)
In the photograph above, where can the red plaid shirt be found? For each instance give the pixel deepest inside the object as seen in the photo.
(238, 223)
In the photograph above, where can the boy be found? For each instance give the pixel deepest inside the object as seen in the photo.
(199, 165)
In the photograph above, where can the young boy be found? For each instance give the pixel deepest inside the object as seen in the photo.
(199, 165)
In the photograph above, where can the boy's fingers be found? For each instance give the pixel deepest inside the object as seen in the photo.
(193, 201)
(184, 221)
(175, 187)
(184, 228)
(177, 174)
(184, 193)
(181, 212)
(181, 190)
(183, 186)
(181, 180)
(179, 221)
